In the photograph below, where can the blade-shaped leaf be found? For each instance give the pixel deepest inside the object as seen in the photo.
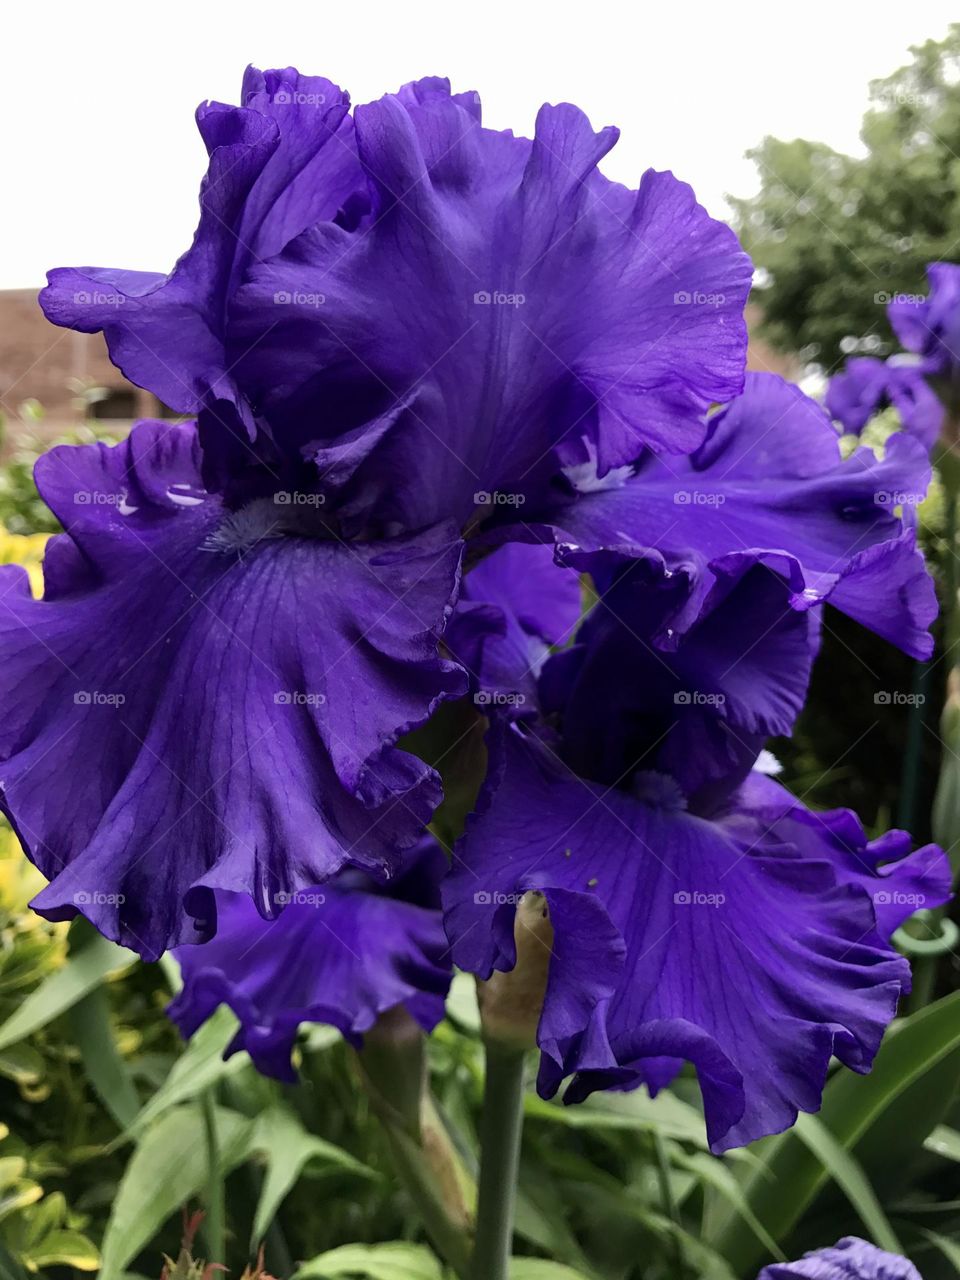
(850, 1177)
(167, 1169)
(791, 1175)
(200, 1065)
(105, 1068)
(288, 1147)
(372, 1262)
(84, 970)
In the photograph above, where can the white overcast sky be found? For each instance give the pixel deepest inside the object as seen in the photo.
(100, 139)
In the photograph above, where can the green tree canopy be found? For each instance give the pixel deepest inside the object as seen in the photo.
(836, 235)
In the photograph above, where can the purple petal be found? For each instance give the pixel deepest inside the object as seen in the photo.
(209, 700)
(867, 385)
(930, 326)
(898, 881)
(753, 963)
(524, 295)
(513, 606)
(689, 679)
(769, 478)
(277, 164)
(342, 953)
(849, 1259)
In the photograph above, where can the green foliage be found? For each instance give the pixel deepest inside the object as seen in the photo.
(836, 235)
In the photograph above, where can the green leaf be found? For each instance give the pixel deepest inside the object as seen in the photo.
(849, 1176)
(10, 1268)
(539, 1269)
(373, 1262)
(462, 1007)
(949, 1248)
(167, 1169)
(82, 972)
(66, 1249)
(716, 1174)
(288, 1147)
(666, 1114)
(22, 1064)
(200, 1065)
(792, 1175)
(92, 1031)
(945, 1142)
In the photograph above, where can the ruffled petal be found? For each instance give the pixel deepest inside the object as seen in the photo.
(341, 953)
(754, 964)
(849, 1259)
(769, 478)
(899, 879)
(681, 668)
(277, 164)
(526, 297)
(208, 700)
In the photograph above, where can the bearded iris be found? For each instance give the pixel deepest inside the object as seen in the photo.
(436, 375)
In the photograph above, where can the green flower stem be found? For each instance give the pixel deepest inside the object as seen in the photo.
(448, 1236)
(393, 1071)
(500, 1131)
(214, 1222)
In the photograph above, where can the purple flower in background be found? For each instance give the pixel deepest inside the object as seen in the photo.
(342, 954)
(699, 913)
(930, 327)
(849, 1259)
(868, 385)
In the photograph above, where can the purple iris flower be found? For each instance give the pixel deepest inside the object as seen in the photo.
(699, 912)
(930, 327)
(408, 341)
(849, 1259)
(868, 385)
(395, 327)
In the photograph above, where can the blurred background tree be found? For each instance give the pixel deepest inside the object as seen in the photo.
(835, 235)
